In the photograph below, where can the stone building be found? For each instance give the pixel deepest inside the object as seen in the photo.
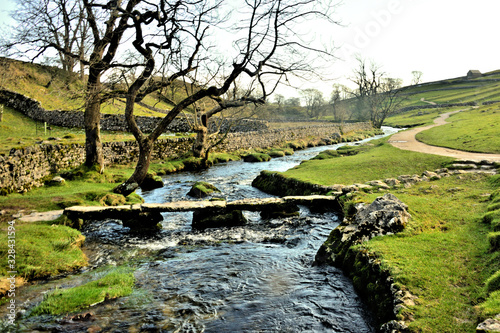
(473, 73)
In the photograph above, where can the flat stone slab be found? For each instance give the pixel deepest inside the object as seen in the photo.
(93, 212)
(182, 206)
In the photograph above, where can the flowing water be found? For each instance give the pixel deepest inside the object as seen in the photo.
(256, 278)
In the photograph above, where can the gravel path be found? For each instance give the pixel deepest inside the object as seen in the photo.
(406, 140)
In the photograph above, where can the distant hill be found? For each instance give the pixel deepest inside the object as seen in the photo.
(459, 90)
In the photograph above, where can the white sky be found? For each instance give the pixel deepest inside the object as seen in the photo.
(441, 38)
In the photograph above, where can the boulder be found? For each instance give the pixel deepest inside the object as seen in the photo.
(489, 325)
(151, 182)
(56, 181)
(257, 157)
(202, 190)
(431, 175)
(217, 218)
(384, 216)
(392, 182)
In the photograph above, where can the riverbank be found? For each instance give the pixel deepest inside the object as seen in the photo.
(446, 223)
(86, 187)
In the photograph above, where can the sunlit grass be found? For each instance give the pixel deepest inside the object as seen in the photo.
(380, 162)
(476, 130)
(41, 250)
(442, 257)
(117, 283)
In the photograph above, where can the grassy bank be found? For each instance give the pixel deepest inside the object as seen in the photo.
(39, 250)
(115, 283)
(444, 256)
(475, 130)
(376, 160)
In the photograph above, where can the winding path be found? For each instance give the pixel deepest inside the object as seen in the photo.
(406, 140)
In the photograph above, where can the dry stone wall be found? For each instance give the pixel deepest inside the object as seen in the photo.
(24, 168)
(113, 122)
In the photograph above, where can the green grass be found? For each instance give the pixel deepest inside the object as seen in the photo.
(418, 117)
(380, 161)
(87, 190)
(17, 131)
(476, 130)
(119, 282)
(41, 250)
(443, 256)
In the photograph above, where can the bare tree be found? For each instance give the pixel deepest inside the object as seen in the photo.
(386, 101)
(267, 49)
(313, 101)
(338, 95)
(376, 96)
(416, 77)
(42, 23)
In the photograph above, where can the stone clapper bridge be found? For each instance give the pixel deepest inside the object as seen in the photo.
(206, 214)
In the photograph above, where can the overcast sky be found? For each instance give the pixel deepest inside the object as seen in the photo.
(441, 38)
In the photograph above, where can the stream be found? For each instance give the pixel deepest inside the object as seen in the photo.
(256, 278)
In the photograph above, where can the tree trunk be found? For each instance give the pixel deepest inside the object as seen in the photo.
(93, 145)
(201, 143)
(141, 168)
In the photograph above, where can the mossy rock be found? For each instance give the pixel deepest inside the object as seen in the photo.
(151, 182)
(276, 153)
(494, 240)
(327, 154)
(348, 150)
(297, 145)
(256, 157)
(283, 210)
(142, 221)
(111, 199)
(56, 181)
(493, 282)
(202, 190)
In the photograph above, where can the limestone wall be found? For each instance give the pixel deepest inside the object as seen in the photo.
(112, 122)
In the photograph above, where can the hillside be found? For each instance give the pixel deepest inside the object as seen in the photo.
(459, 90)
(55, 91)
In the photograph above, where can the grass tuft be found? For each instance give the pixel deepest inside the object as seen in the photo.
(119, 282)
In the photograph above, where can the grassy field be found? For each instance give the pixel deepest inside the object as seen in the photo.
(475, 130)
(378, 160)
(419, 117)
(41, 250)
